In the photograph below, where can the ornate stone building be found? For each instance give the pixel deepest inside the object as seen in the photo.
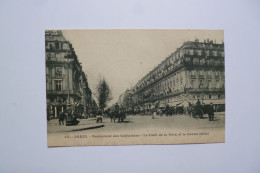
(66, 83)
(194, 71)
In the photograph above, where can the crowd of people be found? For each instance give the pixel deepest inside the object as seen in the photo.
(119, 113)
(199, 109)
(194, 110)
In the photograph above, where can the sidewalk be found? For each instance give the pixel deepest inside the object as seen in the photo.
(84, 124)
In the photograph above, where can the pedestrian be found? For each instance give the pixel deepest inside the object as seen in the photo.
(61, 118)
(112, 116)
(211, 112)
(198, 103)
(99, 117)
(154, 114)
(167, 110)
(204, 108)
(48, 114)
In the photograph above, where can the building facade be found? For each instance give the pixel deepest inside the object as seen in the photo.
(195, 71)
(66, 83)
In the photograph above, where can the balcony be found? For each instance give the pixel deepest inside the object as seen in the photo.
(209, 76)
(201, 76)
(63, 92)
(205, 89)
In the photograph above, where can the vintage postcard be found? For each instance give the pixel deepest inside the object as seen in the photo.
(134, 87)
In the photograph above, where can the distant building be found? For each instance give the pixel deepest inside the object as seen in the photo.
(125, 99)
(194, 71)
(66, 83)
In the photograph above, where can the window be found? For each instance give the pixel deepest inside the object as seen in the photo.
(48, 56)
(222, 53)
(209, 83)
(201, 74)
(57, 45)
(193, 73)
(192, 83)
(212, 61)
(217, 83)
(215, 53)
(218, 62)
(207, 52)
(195, 60)
(191, 51)
(187, 59)
(58, 85)
(51, 48)
(58, 72)
(209, 74)
(199, 52)
(202, 61)
(201, 84)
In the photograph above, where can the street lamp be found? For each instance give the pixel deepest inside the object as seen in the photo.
(67, 60)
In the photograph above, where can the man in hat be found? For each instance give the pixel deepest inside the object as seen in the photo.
(211, 112)
(61, 117)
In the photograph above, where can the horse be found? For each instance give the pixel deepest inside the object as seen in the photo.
(197, 111)
(112, 116)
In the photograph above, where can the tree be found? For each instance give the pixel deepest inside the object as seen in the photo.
(104, 94)
(94, 107)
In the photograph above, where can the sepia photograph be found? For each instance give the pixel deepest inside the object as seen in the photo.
(130, 86)
(134, 87)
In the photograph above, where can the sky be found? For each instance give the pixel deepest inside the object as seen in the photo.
(122, 57)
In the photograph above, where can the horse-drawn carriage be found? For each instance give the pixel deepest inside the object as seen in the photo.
(72, 114)
(72, 121)
(197, 111)
(116, 113)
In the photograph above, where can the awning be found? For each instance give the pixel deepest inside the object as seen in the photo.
(214, 101)
(178, 103)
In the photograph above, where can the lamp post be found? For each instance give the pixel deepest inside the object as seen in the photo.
(68, 73)
(68, 84)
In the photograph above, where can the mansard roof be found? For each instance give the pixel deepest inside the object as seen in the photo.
(54, 35)
(202, 45)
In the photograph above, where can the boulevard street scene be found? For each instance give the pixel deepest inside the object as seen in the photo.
(138, 122)
(132, 87)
